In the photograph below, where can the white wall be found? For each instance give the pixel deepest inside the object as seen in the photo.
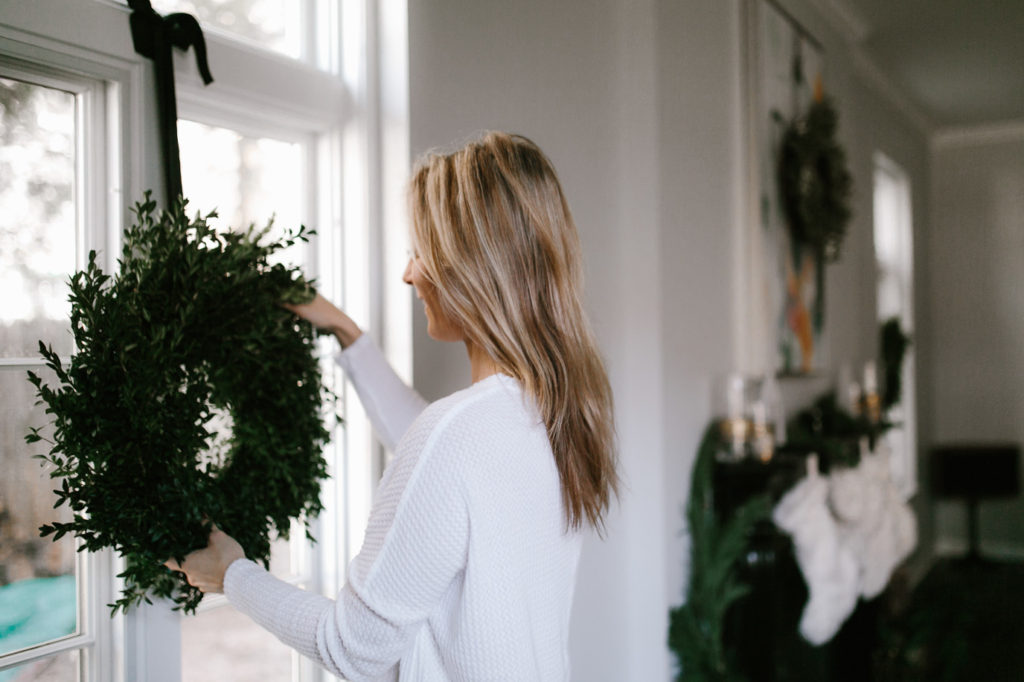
(578, 78)
(977, 312)
(700, 137)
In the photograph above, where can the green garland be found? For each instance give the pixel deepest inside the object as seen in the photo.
(814, 181)
(892, 347)
(696, 627)
(831, 431)
(189, 327)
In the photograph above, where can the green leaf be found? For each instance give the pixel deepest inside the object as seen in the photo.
(158, 344)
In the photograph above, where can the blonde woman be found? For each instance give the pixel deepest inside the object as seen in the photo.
(469, 559)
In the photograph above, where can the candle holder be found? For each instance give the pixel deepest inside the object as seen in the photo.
(872, 401)
(763, 441)
(750, 416)
(735, 435)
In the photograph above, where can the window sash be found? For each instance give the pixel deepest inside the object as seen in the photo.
(358, 138)
(95, 122)
(894, 257)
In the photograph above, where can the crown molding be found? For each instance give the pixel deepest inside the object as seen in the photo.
(844, 19)
(855, 29)
(977, 135)
(877, 80)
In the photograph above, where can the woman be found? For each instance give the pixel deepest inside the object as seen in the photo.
(469, 559)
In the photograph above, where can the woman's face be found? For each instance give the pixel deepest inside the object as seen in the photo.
(439, 325)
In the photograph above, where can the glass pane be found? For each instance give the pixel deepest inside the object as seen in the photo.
(37, 575)
(246, 179)
(62, 667)
(37, 217)
(223, 645)
(281, 556)
(273, 24)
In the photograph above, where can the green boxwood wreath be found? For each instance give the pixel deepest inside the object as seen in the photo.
(190, 329)
(814, 180)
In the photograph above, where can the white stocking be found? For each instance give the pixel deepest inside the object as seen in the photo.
(875, 524)
(829, 569)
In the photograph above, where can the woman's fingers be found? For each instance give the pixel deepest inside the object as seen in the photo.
(204, 568)
(323, 314)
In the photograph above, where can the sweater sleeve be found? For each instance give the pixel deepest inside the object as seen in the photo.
(389, 402)
(414, 548)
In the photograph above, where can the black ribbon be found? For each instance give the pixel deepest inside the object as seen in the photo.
(153, 36)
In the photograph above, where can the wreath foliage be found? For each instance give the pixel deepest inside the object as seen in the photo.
(815, 182)
(188, 333)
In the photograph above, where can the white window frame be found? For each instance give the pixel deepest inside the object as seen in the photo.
(357, 126)
(893, 225)
(98, 85)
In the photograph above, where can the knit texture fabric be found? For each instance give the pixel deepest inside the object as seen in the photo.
(467, 568)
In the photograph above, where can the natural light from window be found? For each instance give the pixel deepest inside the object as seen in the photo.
(894, 257)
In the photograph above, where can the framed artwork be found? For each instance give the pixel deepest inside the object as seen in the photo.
(783, 295)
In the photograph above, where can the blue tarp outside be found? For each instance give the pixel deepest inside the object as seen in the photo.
(35, 611)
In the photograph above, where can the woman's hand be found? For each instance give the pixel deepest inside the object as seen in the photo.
(205, 568)
(323, 314)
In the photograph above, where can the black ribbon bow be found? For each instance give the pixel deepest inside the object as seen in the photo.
(153, 36)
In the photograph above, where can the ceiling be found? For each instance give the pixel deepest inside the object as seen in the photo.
(959, 62)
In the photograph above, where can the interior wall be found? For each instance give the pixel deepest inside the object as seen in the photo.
(700, 137)
(578, 78)
(977, 313)
(640, 106)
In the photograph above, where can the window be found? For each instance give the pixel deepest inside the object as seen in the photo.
(296, 125)
(894, 257)
(48, 117)
(273, 24)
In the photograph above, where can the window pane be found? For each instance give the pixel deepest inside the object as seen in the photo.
(223, 645)
(246, 179)
(37, 217)
(37, 575)
(273, 24)
(60, 668)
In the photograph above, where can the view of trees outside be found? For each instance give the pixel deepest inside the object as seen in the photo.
(273, 24)
(247, 180)
(37, 217)
(37, 254)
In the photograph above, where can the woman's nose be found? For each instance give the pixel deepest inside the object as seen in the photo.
(407, 275)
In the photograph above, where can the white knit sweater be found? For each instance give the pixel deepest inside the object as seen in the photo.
(466, 571)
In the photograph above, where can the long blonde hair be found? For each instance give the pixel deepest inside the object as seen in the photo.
(495, 236)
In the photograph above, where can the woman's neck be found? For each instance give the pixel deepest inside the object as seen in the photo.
(481, 365)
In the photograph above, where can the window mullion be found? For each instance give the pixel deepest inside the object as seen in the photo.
(51, 648)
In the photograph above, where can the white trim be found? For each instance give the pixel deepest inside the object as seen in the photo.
(101, 83)
(261, 88)
(45, 649)
(876, 79)
(854, 29)
(975, 136)
(845, 19)
(394, 149)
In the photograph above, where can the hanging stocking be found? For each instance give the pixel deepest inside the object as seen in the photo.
(875, 524)
(829, 569)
